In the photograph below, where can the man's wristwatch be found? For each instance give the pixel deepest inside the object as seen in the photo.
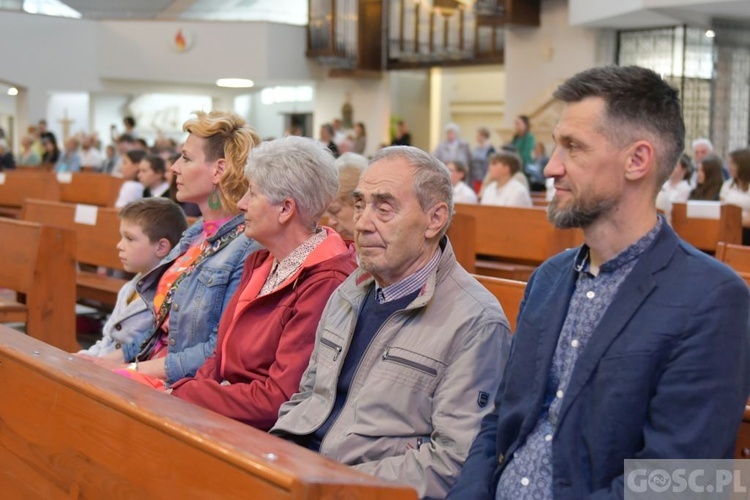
(133, 367)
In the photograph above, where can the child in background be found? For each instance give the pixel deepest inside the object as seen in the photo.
(149, 228)
(152, 174)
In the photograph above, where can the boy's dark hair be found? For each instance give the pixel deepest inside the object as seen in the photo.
(129, 121)
(136, 155)
(158, 165)
(511, 160)
(157, 217)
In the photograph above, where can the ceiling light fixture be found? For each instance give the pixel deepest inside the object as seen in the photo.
(235, 83)
(12, 91)
(710, 33)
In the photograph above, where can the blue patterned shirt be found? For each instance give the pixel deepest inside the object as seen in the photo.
(529, 473)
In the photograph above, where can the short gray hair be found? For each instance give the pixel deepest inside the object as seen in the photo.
(702, 141)
(295, 167)
(432, 179)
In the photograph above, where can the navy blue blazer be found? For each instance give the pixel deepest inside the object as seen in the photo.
(664, 375)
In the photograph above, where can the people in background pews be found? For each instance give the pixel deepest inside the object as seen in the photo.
(634, 345)
(453, 148)
(149, 229)
(131, 189)
(479, 159)
(524, 140)
(677, 188)
(400, 375)
(326, 137)
(152, 175)
(701, 148)
(340, 212)
(51, 151)
(736, 190)
(191, 287)
(462, 193)
(90, 155)
(7, 162)
(70, 160)
(501, 188)
(359, 144)
(709, 179)
(29, 156)
(267, 331)
(403, 136)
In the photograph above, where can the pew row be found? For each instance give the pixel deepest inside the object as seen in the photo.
(90, 188)
(737, 257)
(15, 186)
(705, 224)
(38, 262)
(511, 242)
(97, 232)
(72, 429)
(508, 292)
(85, 187)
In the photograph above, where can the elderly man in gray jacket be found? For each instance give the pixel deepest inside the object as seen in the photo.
(406, 360)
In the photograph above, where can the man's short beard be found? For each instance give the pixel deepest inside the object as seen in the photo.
(581, 212)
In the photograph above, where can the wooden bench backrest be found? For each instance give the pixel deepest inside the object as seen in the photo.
(737, 257)
(508, 292)
(91, 188)
(75, 430)
(518, 233)
(18, 185)
(462, 234)
(96, 244)
(705, 234)
(39, 261)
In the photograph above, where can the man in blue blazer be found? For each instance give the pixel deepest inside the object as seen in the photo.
(634, 345)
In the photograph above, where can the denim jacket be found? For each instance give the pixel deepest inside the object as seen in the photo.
(199, 300)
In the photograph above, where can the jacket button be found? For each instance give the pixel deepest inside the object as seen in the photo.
(501, 459)
(118, 327)
(118, 346)
(210, 280)
(176, 307)
(172, 342)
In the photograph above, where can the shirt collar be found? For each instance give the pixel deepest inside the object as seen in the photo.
(409, 284)
(582, 261)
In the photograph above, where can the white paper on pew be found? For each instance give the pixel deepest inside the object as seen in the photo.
(64, 177)
(86, 214)
(703, 209)
(2, 178)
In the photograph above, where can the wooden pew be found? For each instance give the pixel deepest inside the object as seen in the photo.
(462, 234)
(735, 256)
(19, 184)
(89, 188)
(511, 242)
(705, 234)
(508, 292)
(39, 262)
(71, 429)
(742, 446)
(96, 244)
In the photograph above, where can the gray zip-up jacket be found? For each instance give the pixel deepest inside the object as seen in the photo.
(422, 387)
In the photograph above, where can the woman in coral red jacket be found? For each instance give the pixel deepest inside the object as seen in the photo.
(267, 331)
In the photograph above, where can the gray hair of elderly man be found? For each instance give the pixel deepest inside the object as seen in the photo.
(432, 179)
(298, 168)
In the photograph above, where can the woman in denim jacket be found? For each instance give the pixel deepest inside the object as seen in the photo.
(193, 284)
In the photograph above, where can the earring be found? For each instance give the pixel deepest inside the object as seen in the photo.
(214, 200)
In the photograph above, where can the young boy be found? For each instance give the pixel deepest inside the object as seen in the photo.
(502, 187)
(149, 228)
